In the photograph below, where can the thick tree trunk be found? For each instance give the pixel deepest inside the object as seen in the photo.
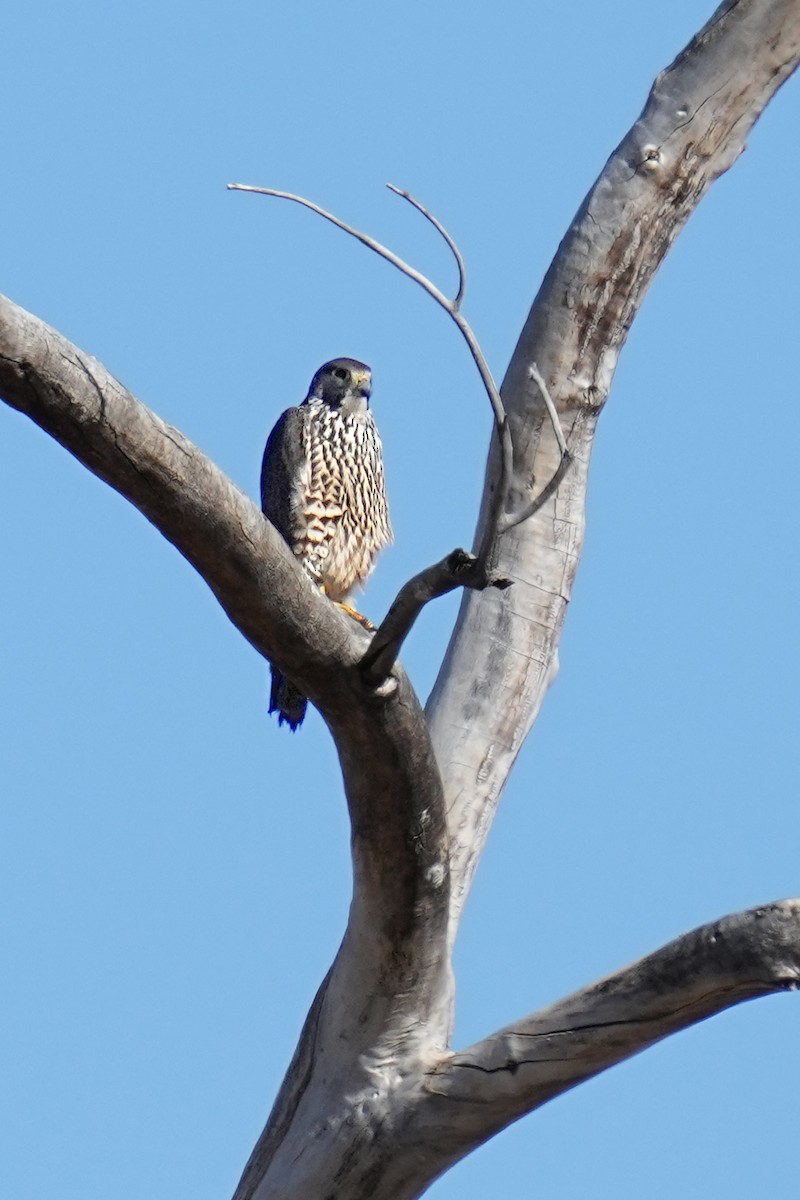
(375, 1103)
(693, 128)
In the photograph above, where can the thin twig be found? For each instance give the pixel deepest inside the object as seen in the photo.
(499, 520)
(364, 238)
(510, 520)
(437, 224)
(449, 306)
(535, 374)
(452, 308)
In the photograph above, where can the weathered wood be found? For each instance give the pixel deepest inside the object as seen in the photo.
(458, 569)
(503, 653)
(389, 978)
(369, 1105)
(741, 957)
(413, 1130)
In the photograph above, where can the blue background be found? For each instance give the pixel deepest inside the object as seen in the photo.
(174, 871)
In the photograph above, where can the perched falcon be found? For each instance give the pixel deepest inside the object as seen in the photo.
(322, 487)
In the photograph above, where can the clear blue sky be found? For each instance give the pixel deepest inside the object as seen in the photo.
(174, 871)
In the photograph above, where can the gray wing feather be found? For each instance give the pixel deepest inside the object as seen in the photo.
(282, 472)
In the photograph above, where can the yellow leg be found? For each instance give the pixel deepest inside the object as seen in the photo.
(351, 612)
(357, 616)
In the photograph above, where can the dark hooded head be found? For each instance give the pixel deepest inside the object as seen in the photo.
(342, 383)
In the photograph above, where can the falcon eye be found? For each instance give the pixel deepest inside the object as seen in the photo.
(339, 373)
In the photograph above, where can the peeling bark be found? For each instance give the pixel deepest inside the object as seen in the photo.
(375, 1103)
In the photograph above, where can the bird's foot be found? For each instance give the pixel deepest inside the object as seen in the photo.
(357, 616)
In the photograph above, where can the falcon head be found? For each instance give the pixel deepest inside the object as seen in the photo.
(343, 384)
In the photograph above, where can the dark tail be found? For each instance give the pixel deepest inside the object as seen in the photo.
(286, 701)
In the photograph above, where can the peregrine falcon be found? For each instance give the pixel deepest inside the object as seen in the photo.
(323, 488)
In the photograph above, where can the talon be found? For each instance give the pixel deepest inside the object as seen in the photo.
(357, 616)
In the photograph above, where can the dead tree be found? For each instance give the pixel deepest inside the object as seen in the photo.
(376, 1101)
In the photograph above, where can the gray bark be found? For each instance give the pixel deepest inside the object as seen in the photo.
(375, 1103)
(693, 128)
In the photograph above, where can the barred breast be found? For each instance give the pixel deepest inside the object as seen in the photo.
(346, 520)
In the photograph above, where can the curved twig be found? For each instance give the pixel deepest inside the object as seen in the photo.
(437, 224)
(499, 521)
(364, 238)
(509, 520)
(535, 374)
(451, 307)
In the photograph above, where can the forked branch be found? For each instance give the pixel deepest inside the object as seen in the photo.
(437, 224)
(509, 520)
(459, 569)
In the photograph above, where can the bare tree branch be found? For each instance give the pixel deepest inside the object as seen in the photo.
(433, 291)
(538, 379)
(459, 569)
(479, 1091)
(437, 224)
(509, 520)
(694, 126)
(453, 310)
(371, 1104)
(393, 788)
